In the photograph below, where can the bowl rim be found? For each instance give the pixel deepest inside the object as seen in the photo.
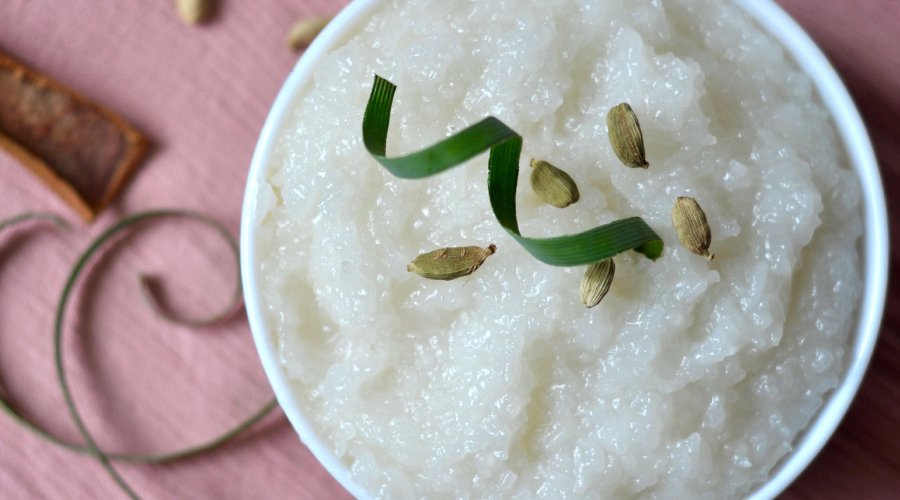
(851, 132)
(875, 255)
(335, 32)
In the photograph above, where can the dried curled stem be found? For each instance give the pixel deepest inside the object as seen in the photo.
(90, 445)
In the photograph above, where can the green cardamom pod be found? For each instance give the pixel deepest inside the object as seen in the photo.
(596, 281)
(194, 11)
(451, 262)
(304, 31)
(625, 136)
(691, 226)
(552, 185)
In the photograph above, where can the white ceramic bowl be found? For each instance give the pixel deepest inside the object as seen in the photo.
(850, 130)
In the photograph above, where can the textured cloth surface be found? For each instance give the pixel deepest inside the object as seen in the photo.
(201, 95)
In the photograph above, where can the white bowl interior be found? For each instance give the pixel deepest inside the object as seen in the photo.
(850, 129)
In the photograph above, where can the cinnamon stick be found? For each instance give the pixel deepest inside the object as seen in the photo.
(81, 150)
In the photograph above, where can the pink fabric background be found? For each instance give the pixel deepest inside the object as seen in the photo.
(201, 94)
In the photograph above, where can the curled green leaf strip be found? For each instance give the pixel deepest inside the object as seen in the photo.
(505, 147)
(150, 297)
(90, 446)
(27, 216)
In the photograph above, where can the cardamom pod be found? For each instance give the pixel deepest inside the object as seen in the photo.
(194, 11)
(451, 262)
(304, 31)
(625, 136)
(596, 281)
(552, 184)
(691, 226)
